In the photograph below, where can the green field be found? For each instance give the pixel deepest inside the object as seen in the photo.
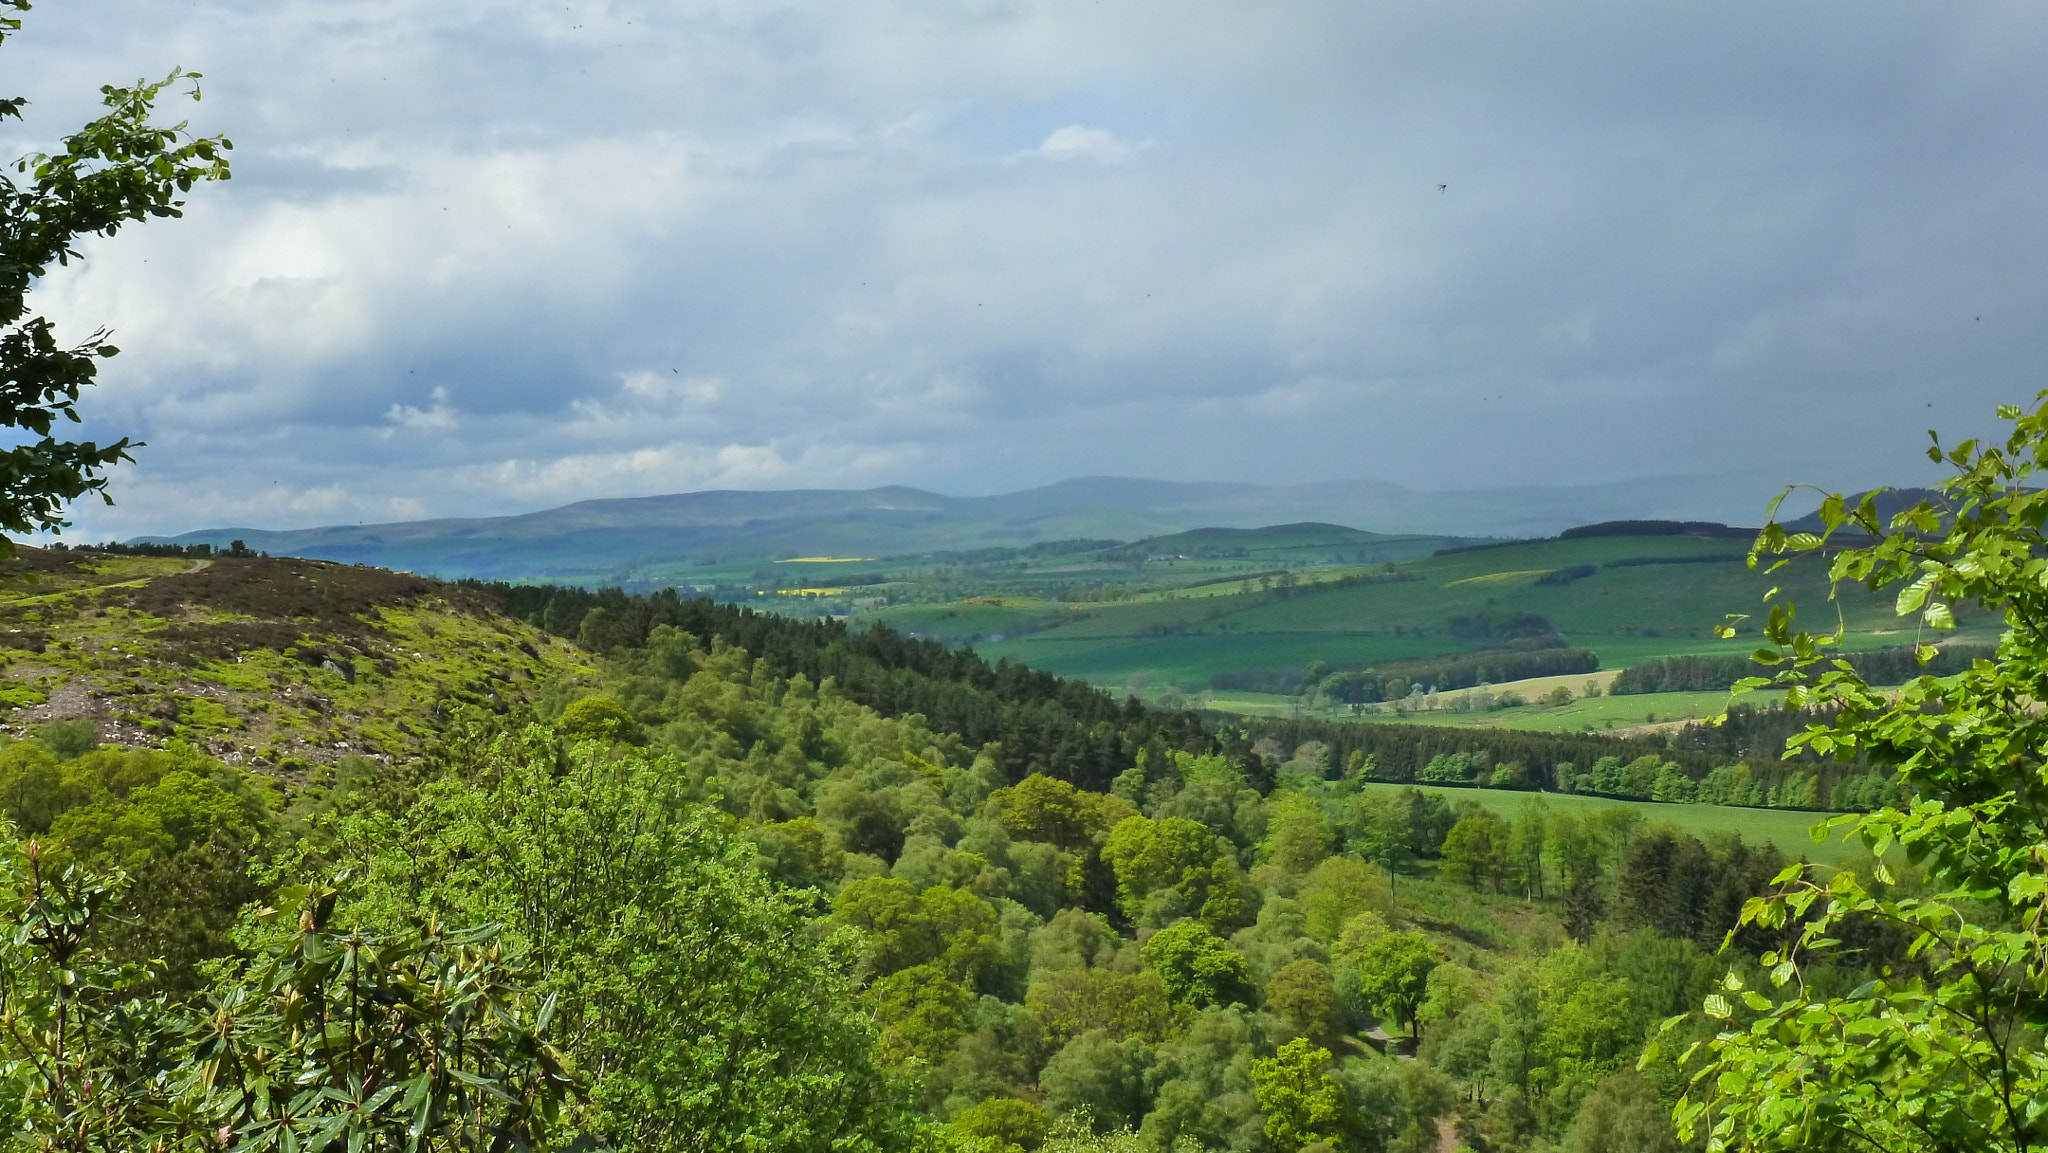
(1597, 713)
(1789, 830)
(1644, 597)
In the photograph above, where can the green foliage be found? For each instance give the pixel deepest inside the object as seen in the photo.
(118, 169)
(120, 807)
(921, 1010)
(1685, 890)
(1396, 1104)
(698, 1007)
(423, 1040)
(418, 1039)
(906, 928)
(1024, 717)
(1944, 1052)
(279, 659)
(956, 925)
(1197, 967)
(1476, 849)
(1622, 1115)
(1886, 666)
(1301, 1103)
(1099, 1077)
(1298, 833)
(68, 739)
(1336, 891)
(1178, 866)
(1304, 994)
(1069, 1002)
(1393, 975)
(597, 719)
(998, 1125)
(85, 1063)
(1042, 808)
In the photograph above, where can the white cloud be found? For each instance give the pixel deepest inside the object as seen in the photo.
(437, 418)
(653, 386)
(1076, 142)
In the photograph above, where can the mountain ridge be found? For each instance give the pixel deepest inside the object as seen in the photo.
(594, 539)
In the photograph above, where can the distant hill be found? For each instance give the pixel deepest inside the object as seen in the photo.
(1285, 542)
(615, 539)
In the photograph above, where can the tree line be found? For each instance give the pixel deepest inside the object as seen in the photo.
(1674, 769)
(1036, 722)
(1886, 666)
(1361, 683)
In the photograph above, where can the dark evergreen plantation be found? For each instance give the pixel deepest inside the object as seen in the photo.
(1040, 722)
(1081, 734)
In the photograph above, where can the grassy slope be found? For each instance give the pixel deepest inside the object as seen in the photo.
(228, 654)
(1293, 544)
(1787, 829)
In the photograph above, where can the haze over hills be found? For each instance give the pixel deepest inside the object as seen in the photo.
(597, 538)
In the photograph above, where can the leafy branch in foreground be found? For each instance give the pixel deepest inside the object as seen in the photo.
(421, 1040)
(117, 169)
(1945, 1051)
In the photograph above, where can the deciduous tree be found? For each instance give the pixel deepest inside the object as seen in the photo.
(1301, 1103)
(1393, 975)
(118, 169)
(1198, 968)
(1945, 1054)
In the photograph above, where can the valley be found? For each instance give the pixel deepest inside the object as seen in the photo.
(1070, 921)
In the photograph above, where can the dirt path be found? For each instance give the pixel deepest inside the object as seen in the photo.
(135, 583)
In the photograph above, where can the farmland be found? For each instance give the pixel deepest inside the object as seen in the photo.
(1626, 599)
(1789, 830)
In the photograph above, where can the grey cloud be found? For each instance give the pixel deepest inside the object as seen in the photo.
(976, 246)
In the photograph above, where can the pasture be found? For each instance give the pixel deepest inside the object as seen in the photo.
(1632, 598)
(1788, 829)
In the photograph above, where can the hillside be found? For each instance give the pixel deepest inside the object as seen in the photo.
(275, 663)
(936, 903)
(676, 537)
(1286, 545)
(1624, 598)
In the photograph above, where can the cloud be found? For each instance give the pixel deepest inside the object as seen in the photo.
(480, 257)
(439, 418)
(1075, 142)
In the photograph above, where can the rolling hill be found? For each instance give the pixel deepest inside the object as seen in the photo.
(658, 537)
(1625, 598)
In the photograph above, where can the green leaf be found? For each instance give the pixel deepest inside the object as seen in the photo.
(1914, 595)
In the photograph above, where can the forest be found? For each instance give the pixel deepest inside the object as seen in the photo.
(741, 882)
(888, 932)
(713, 878)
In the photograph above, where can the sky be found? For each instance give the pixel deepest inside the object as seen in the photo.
(484, 257)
